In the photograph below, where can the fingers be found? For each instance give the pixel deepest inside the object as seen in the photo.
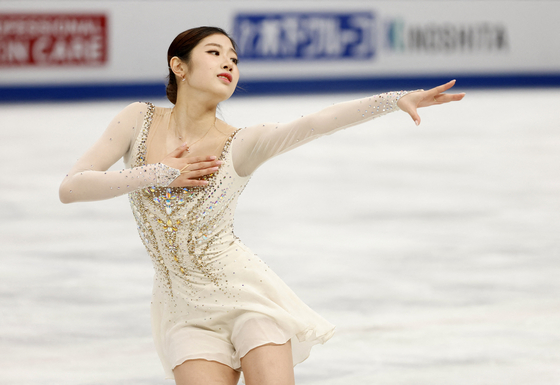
(444, 87)
(198, 169)
(189, 177)
(186, 182)
(197, 163)
(439, 90)
(194, 168)
(204, 165)
(201, 163)
(191, 168)
(438, 96)
(414, 115)
(190, 174)
(446, 98)
(198, 159)
(195, 183)
(179, 150)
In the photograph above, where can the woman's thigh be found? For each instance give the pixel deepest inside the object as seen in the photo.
(202, 372)
(269, 365)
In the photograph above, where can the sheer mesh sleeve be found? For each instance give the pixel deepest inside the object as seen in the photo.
(256, 144)
(89, 179)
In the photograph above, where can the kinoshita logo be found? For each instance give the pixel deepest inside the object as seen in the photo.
(444, 38)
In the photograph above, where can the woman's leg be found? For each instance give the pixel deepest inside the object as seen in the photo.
(202, 372)
(269, 365)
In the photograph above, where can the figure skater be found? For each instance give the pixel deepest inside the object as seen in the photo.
(217, 309)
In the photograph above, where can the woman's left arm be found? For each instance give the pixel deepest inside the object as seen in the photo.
(256, 144)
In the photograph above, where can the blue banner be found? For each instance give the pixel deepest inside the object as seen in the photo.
(305, 36)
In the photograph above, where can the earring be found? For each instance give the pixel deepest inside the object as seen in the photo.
(183, 80)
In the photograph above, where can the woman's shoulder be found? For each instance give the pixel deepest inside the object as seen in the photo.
(144, 109)
(134, 111)
(131, 113)
(226, 128)
(138, 106)
(145, 106)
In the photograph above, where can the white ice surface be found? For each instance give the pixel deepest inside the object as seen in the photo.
(434, 249)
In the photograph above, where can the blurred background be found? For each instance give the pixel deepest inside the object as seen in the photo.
(434, 249)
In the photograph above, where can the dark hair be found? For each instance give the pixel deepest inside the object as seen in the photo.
(182, 47)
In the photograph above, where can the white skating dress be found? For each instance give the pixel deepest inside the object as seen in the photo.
(213, 298)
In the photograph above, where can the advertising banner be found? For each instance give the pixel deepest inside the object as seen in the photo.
(52, 40)
(305, 36)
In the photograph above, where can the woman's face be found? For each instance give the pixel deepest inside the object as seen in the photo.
(213, 67)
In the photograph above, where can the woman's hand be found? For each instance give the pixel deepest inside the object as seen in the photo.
(414, 100)
(191, 167)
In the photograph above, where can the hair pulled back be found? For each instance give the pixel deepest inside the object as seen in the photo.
(182, 47)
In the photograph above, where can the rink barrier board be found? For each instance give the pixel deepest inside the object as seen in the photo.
(76, 92)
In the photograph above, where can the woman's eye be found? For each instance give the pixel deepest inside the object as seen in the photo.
(235, 60)
(214, 53)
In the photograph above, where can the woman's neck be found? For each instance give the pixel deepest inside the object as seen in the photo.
(190, 120)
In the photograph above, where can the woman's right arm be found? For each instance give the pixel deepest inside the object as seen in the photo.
(89, 179)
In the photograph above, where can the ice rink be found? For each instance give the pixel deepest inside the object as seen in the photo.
(434, 249)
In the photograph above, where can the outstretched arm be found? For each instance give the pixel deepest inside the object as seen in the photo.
(256, 144)
(89, 179)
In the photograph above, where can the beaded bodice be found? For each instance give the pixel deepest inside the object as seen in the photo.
(186, 229)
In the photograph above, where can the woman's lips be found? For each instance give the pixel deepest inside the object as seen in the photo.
(226, 76)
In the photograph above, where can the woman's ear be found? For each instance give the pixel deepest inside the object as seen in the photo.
(178, 67)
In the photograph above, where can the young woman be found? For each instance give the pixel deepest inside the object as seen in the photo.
(217, 309)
